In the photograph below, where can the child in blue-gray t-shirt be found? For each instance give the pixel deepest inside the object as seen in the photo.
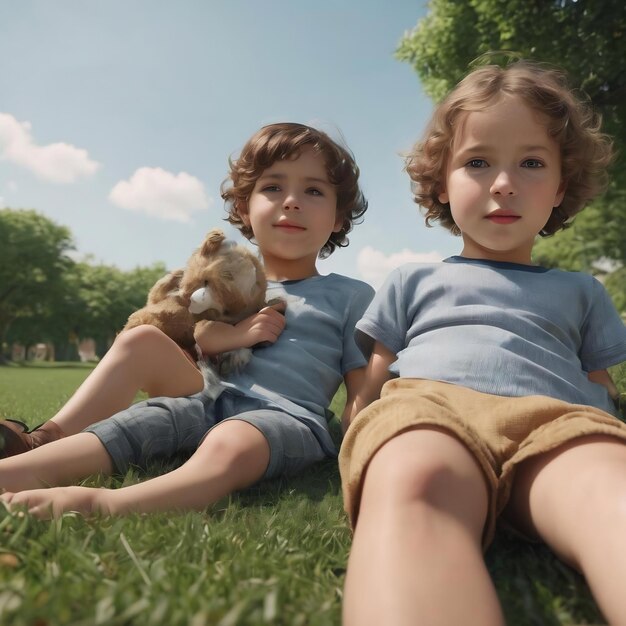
(499, 403)
(295, 192)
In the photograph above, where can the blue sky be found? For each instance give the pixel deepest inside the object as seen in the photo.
(117, 118)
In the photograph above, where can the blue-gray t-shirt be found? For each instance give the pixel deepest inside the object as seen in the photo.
(302, 371)
(499, 328)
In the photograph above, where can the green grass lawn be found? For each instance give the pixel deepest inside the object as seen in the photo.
(275, 554)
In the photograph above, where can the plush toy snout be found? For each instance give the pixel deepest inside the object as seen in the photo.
(201, 300)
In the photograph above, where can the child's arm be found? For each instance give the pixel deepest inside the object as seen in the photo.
(602, 377)
(367, 382)
(353, 380)
(216, 337)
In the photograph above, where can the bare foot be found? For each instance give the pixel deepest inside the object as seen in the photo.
(53, 502)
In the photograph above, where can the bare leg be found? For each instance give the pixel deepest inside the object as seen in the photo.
(416, 556)
(574, 498)
(57, 463)
(142, 358)
(234, 455)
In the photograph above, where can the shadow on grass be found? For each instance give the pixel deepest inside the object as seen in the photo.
(316, 483)
(536, 588)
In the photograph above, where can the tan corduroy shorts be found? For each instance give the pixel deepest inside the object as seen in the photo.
(500, 432)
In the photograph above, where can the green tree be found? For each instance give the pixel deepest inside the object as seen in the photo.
(45, 296)
(107, 296)
(92, 301)
(587, 38)
(33, 259)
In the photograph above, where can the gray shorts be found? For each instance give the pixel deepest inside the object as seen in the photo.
(162, 428)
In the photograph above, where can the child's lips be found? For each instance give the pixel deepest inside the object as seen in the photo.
(289, 226)
(503, 217)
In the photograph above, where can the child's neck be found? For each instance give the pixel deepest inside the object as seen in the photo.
(520, 256)
(282, 269)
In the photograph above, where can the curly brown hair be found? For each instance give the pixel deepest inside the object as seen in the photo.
(286, 140)
(586, 152)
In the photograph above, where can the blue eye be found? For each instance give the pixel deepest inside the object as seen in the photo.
(477, 163)
(314, 191)
(532, 163)
(270, 188)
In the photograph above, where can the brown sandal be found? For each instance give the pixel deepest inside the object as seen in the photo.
(16, 439)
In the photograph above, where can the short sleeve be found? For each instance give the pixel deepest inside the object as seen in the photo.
(603, 334)
(385, 320)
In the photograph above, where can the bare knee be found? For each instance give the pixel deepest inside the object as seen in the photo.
(144, 337)
(417, 478)
(239, 449)
(159, 366)
(432, 473)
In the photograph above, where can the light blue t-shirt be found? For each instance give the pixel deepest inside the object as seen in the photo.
(499, 328)
(302, 371)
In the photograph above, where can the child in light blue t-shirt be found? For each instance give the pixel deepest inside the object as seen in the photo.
(500, 405)
(295, 193)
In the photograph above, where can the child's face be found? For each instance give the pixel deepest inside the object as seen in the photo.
(292, 211)
(503, 179)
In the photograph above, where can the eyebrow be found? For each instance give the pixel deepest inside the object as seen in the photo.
(481, 147)
(312, 179)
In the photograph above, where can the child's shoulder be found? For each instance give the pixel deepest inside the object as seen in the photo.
(414, 270)
(339, 281)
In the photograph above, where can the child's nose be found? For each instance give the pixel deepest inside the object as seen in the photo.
(291, 201)
(503, 184)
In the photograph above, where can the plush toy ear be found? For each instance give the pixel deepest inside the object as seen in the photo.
(212, 242)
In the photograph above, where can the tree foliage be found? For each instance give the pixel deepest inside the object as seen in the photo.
(94, 300)
(33, 260)
(45, 296)
(587, 38)
(104, 297)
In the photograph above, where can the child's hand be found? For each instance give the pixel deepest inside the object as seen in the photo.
(217, 337)
(233, 343)
(262, 328)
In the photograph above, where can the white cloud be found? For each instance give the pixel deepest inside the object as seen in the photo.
(158, 193)
(12, 186)
(374, 265)
(56, 162)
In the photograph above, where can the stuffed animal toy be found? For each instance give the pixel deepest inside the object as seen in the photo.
(222, 281)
